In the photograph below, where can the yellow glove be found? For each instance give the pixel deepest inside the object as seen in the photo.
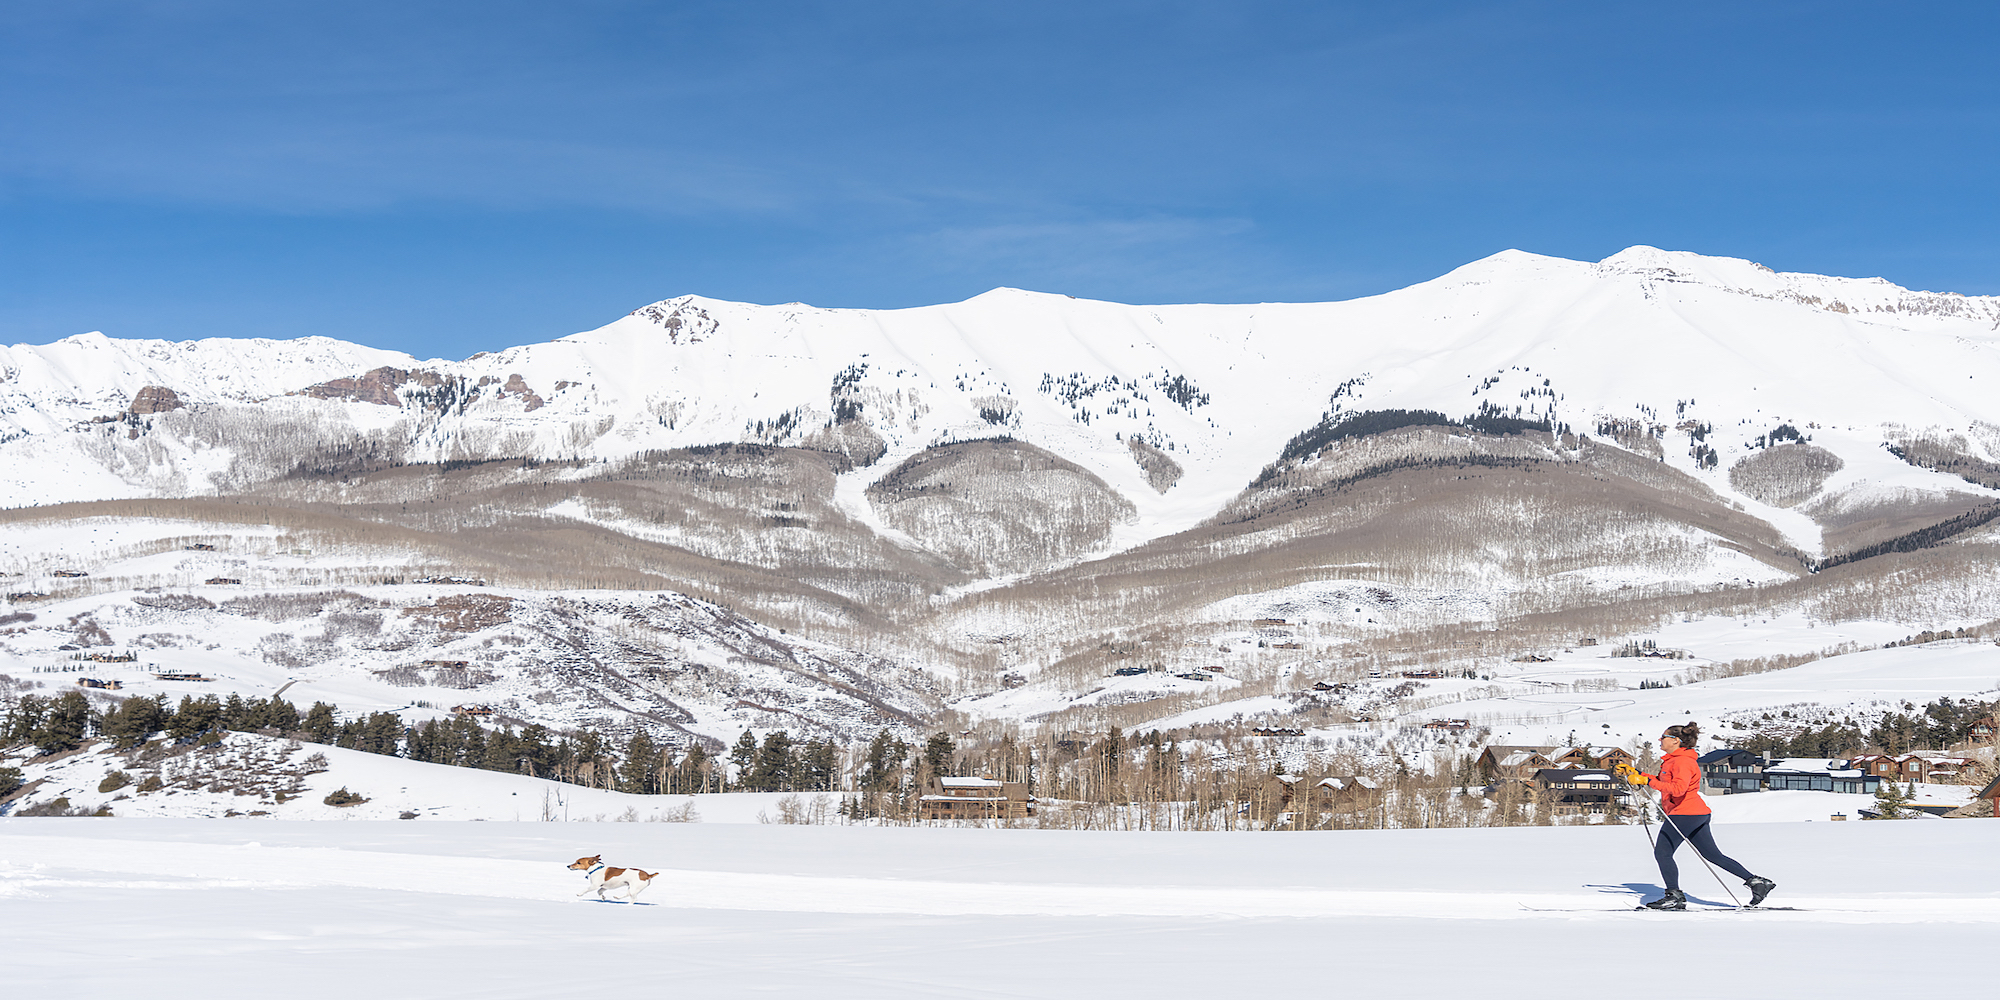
(1631, 776)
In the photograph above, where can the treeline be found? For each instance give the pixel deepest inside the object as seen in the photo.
(1929, 636)
(1489, 420)
(1922, 538)
(1834, 739)
(583, 757)
(1940, 724)
(639, 765)
(1937, 725)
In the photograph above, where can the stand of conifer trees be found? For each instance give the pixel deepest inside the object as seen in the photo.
(583, 757)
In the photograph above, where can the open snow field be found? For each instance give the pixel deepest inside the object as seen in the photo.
(186, 908)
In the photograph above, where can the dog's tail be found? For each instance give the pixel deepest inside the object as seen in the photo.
(645, 875)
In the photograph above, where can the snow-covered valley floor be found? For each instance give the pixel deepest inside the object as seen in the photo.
(184, 908)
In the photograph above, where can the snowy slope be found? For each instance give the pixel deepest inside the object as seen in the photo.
(681, 669)
(1587, 696)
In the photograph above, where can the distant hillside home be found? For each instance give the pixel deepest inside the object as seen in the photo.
(1579, 790)
(1918, 767)
(1943, 768)
(1818, 774)
(1983, 730)
(1346, 792)
(1730, 772)
(1519, 763)
(977, 799)
(1593, 757)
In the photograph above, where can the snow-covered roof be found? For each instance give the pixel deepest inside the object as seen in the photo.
(1812, 765)
(969, 783)
(1342, 784)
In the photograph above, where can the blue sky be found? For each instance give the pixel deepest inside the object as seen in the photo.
(448, 178)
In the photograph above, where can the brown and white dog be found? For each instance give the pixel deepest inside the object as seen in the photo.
(601, 878)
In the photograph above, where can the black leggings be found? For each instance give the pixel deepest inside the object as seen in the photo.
(1691, 828)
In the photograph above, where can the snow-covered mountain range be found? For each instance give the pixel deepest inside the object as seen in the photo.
(1027, 489)
(1654, 338)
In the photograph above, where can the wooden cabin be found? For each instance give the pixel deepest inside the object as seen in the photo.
(1519, 763)
(1348, 791)
(960, 798)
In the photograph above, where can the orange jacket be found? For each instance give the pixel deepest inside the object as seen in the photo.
(1679, 777)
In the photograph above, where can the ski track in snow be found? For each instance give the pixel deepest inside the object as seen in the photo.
(59, 864)
(178, 908)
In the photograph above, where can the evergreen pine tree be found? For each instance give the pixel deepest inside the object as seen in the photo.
(1890, 800)
(469, 740)
(65, 724)
(636, 774)
(235, 713)
(877, 763)
(281, 715)
(743, 756)
(194, 717)
(940, 753)
(775, 768)
(136, 720)
(25, 718)
(383, 731)
(817, 766)
(534, 753)
(503, 751)
(320, 724)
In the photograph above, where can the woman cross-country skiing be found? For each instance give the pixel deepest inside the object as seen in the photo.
(1686, 818)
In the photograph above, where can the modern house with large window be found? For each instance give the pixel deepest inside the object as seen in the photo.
(1731, 772)
(1818, 774)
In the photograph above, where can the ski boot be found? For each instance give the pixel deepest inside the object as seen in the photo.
(1759, 888)
(1673, 900)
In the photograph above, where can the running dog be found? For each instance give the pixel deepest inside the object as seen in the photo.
(599, 878)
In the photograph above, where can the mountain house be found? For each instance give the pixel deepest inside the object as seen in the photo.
(1728, 771)
(977, 799)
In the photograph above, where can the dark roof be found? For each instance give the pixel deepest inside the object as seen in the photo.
(1724, 754)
